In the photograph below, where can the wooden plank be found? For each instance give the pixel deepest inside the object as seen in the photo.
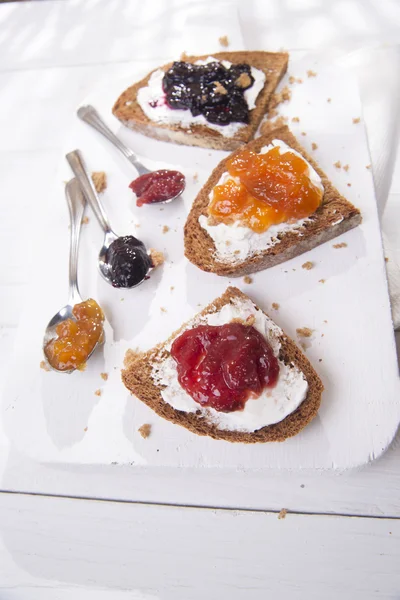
(166, 552)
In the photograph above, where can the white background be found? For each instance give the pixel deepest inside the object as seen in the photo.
(51, 54)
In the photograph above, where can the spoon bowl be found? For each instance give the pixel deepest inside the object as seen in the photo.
(120, 255)
(89, 115)
(76, 205)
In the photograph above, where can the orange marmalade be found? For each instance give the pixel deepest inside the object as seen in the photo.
(76, 338)
(268, 189)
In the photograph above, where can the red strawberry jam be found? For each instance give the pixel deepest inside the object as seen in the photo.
(158, 186)
(222, 366)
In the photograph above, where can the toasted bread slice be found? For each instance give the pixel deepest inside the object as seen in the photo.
(140, 377)
(335, 216)
(129, 112)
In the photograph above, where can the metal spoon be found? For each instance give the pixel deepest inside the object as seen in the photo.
(138, 256)
(90, 115)
(76, 206)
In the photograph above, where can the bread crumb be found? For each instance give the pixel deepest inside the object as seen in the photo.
(283, 96)
(322, 280)
(184, 56)
(292, 79)
(296, 120)
(314, 146)
(311, 73)
(303, 346)
(137, 225)
(307, 265)
(275, 306)
(303, 133)
(220, 89)
(337, 164)
(243, 81)
(349, 185)
(248, 279)
(269, 126)
(356, 120)
(304, 332)
(172, 288)
(329, 99)
(341, 245)
(145, 430)
(44, 365)
(224, 41)
(325, 321)
(237, 252)
(165, 229)
(368, 166)
(386, 259)
(249, 321)
(99, 179)
(85, 220)
(164, 310)
(346, 168)
(157, 257)
(195, 177)
(104, 376)
(228, 243)
(282, 514)
(97, 393)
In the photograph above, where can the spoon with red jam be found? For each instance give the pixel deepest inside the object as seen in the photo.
(151, 187)
(123, 260)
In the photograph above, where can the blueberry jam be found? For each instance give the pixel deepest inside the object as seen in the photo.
(211, 90)
(128, 262)
(159, 186)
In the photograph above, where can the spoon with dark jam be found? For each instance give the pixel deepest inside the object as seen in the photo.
(123, 261)
(151, 187)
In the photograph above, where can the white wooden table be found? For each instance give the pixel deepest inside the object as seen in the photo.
(342, 534)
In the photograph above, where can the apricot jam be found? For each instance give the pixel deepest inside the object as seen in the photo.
(76, 338)
(223, 366)
(270, 188)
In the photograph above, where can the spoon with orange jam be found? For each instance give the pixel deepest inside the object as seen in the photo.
(74, 332)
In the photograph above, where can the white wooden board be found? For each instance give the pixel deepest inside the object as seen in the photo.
(58, 419)
(62, 548)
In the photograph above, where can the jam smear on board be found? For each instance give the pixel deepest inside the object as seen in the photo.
(272, 188)
(76, 338)
(223, 366)
(211, 90)
(159, 186)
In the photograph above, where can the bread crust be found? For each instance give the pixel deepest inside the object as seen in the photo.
(137, 377)
(335, 216)
(274, 66)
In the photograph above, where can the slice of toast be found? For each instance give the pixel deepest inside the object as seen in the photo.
(139, 377)
(129, 112)
(335, 216)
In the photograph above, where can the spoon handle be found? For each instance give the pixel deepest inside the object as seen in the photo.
(79, 168)
(90, 115)
(76, 206)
